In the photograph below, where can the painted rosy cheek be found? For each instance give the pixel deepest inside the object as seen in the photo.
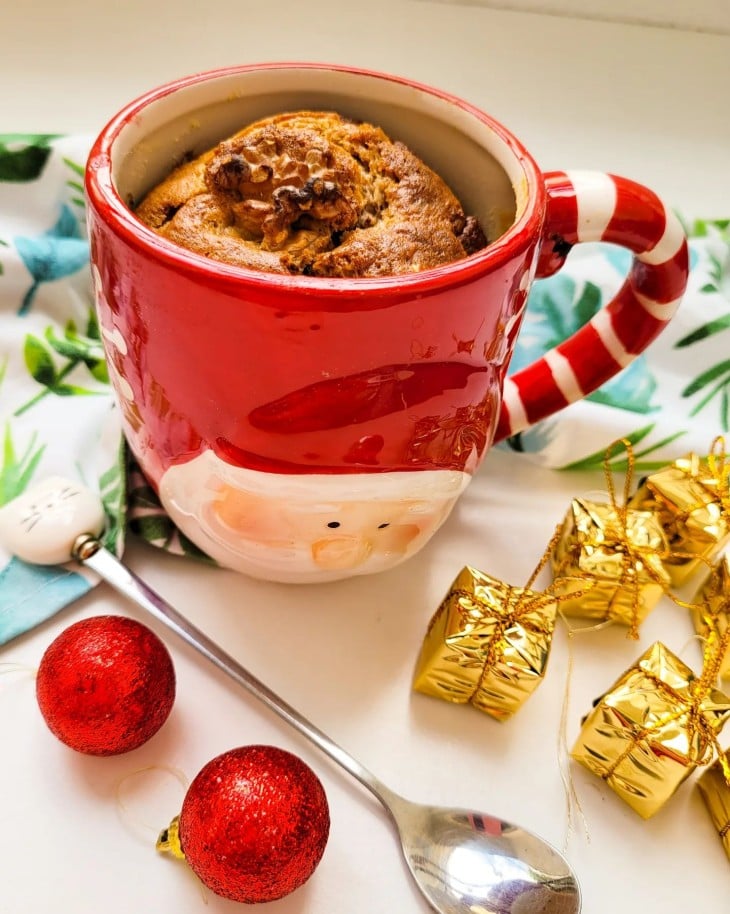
(231, 511)
(396, 538)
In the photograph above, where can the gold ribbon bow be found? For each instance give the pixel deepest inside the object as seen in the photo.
(697, 719)
(716, 481)
(613, 535)
(528, 601)
(634, 556)
(632, 737)
(520, 607)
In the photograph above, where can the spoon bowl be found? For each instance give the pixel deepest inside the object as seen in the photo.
(463, 862)
(468, 861)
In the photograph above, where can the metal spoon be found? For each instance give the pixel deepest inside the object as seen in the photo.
(464, 862)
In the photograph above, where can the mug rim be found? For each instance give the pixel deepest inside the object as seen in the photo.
(112, 209)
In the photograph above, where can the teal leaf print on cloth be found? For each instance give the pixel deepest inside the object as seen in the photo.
(59, 252)
(632, 389)
(23, 156)
(556, 308)
(621, 258)
(29, 594)
(534, 439)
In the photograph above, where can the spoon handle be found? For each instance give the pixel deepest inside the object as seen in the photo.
(90, 551)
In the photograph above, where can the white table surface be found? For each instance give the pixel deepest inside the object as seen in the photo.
(648, 103)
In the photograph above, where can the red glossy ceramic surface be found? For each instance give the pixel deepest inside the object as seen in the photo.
(304, 429)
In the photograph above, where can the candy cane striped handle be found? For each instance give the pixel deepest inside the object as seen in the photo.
(592, 206)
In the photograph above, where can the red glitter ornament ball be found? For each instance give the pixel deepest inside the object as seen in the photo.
(105, 685)
(254, 824)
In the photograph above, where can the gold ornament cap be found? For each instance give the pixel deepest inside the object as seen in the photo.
(168, 841)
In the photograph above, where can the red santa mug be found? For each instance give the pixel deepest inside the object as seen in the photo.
(304, 429)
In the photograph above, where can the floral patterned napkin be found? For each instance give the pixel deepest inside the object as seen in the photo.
(57, 415)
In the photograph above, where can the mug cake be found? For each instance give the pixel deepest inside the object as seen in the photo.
(313, 193)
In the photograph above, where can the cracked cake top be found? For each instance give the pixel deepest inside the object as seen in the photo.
(313, 193)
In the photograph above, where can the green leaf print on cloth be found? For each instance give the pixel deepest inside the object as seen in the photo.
(16, 470)
(23, 155)
(149, 520)
(76, 184)
(712, 384)
(619, 462)
(74, 350)
(113, 492)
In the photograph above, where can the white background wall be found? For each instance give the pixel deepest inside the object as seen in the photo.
(698, 15)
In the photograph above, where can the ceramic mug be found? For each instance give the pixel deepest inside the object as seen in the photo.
(304, 429)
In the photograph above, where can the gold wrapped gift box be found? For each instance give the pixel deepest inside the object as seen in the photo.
(715, 791)
(650, 731)
(711, 612)
(618, 553)
(487, 644)
(711, 616)
(690, 499)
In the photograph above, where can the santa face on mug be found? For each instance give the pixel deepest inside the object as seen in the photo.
(346, 476)
(317, 527)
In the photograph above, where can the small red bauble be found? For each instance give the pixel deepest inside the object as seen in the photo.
(254, 824)
(105, 685)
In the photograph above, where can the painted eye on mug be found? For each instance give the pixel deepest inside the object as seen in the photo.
(333, 524)
(383, 526)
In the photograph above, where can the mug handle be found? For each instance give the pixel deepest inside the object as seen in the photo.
(595, 206)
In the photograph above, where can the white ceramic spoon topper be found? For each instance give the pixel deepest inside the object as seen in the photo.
(464, 862)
